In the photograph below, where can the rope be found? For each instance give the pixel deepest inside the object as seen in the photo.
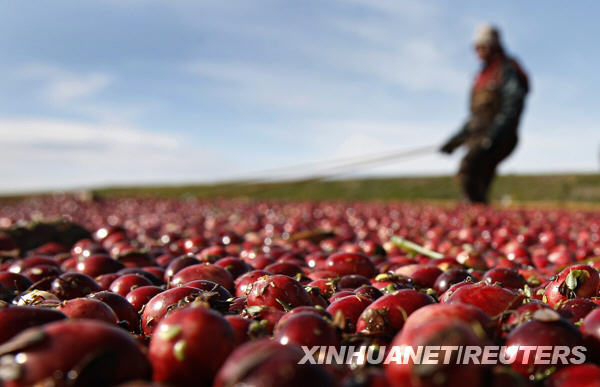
(345, 166)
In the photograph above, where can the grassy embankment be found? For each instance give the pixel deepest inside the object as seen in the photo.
(580, 188)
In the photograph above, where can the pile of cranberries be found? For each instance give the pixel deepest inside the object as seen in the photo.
(173, 292)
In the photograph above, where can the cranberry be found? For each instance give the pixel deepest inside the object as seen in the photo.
(127, 283)
(177, 264)
(481, 295)
(156, 281)
(575, 281)
(387, 314)
(423, 276)
(235, 266)
(590, 328)
(546, 328)
(469, 314)
(579, 375)
(278, 291)
(308, 329)
(189, 346)
(508, 278)
(15, 319)
(105, 280)
(163, 303)
(207, 272)
(368, 291)
(73, 353)
(285, 268)
(347, 310)
(438, 332)
(98, 264)
(15, 281)
(269, 363)
(241, 328)
(74, 285)
(39, 272)
(576, 309)
(350, 263)
(139, 297)
(27, 263)
(352, 281)
(242, 282)
(122, 308)
(449, 278)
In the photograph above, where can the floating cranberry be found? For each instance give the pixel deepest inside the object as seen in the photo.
(74, 285)
(278, 291)
(481, 295)
(15, 319)
(139, 297)
(189, 346)
(386, 315)
(87, 308)
(122, 308)
(451, 277)
(268, 363)
(79, 353)
(347, 310)
(163, 303)
(308, 329)
(350, 263)
(207, 272)
(508, 278)
(98, 264)
(546, 328)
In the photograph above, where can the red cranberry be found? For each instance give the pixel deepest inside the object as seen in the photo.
(74, 285)
(127, 283)
(481, 295)
(449, 278)
(122, 308)
(268, 363)
(98, 264)
(575, 281)
(576, 309)
(242, 282)
(546, 328)
(139, 297)
(15, 319)
(438, 332)
(387, 314)
(307, 329)
(15, 281)
(278, 291)
(207, 272)
(350, 263)
(163, 303)
(189, 346)
(177, 264)
(87, 308)
(73, 353)
(235, 266)
(578, 375)
(508, 278)
(347, 310)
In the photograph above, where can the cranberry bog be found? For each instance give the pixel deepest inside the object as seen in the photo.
(158, 291)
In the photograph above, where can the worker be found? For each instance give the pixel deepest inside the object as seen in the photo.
(497, 101)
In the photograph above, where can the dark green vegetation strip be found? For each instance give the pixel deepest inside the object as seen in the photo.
(546, 188)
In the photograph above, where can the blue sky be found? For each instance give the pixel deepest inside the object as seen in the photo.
(132, 91)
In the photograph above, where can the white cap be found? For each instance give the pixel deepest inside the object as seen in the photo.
(486, 35)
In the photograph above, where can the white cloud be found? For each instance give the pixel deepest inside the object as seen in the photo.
(61, 86)
(60, 154)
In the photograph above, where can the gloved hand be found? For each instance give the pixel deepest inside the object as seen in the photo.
(448, 147)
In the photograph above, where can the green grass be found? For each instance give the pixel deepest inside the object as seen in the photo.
(582, 188)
